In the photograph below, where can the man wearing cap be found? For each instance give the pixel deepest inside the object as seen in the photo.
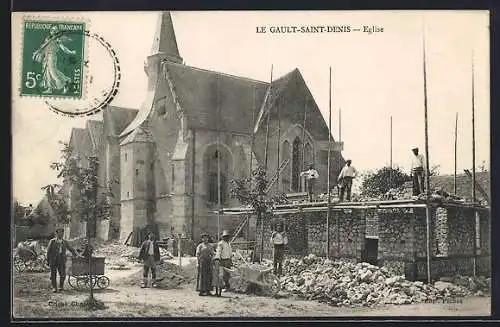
(150, 255)
(224, 252)
(311, 175)
(56, 258)
(347, 174)
(417, 171)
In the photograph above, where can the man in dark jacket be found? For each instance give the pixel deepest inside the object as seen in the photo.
(56, 258)
(149, 254)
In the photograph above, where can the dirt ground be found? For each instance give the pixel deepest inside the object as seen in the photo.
(32, 299)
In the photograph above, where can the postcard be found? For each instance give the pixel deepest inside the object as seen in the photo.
(250, 164)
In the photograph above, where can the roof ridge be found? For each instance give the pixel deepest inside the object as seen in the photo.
(219, 73)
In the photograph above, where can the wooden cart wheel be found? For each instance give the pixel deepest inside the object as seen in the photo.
(72, 281)
(102, 282)
(273, 283)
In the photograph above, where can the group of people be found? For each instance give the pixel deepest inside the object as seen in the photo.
(344, 180)
(208, 260)
(348, 173)
(206, 256)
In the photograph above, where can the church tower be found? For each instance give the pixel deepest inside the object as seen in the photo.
(148, 142)
(164, 49)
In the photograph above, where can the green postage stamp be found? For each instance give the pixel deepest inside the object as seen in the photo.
(53, 58)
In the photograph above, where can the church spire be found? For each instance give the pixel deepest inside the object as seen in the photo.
(165, 42)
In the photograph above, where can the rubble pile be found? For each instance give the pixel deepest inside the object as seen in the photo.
(168, 275)
(479, 285)
(347, 284)
(121, 257)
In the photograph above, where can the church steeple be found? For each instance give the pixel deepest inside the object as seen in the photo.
(165, 42)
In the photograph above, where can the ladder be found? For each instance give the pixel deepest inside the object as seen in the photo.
(242, 224)
(284, 163)
(479, 188)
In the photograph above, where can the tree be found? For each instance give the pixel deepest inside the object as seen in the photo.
(251, 191)
(384, 179)
(18, 212)
(89, 206)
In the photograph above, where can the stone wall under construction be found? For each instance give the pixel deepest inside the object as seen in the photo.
(401, 238)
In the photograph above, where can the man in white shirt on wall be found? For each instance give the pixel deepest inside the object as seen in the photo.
(417, 172)
(279, 240)
(347, 174)
(311, 175)
(224, 252)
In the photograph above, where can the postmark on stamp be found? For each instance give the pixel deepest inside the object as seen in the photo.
(53, 63)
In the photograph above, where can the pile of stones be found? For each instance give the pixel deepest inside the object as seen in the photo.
(341, 283)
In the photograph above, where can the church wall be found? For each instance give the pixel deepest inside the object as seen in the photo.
(290, 130)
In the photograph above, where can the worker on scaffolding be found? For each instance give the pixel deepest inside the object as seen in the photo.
(311, 176)
(417, 172)
(347, 174)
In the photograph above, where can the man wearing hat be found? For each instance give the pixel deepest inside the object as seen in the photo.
(279, 240)
(311, 175)
(347, 174)
(56, 258)
(224, 253)
(417, 171)
(150, 255)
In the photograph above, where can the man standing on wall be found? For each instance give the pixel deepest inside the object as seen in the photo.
(311, 175)
(347, 174)
(224, 252)
(417, 172)
(56, 258)
(279, 240)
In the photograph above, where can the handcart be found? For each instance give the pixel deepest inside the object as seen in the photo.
(262, 277)
(28, 256)
(79, 273)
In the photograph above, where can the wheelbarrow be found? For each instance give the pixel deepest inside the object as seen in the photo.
(262, 277)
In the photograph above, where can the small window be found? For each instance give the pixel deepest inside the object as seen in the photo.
(125, 157)
(128, 194)
(152, 166)
(136, 172)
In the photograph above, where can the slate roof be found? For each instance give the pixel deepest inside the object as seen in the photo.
(81, 142)
(95, 129)
(200, 92)
(121, 117)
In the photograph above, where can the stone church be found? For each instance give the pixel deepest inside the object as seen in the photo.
(162, 161)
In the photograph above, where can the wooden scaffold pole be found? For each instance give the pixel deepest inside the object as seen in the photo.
(455, 148)
(476, 217)
(328, 165)
(427, 175)
(250, 173)
(218, 160)
(265, 168)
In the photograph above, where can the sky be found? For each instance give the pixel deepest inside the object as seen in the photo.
(374, 77)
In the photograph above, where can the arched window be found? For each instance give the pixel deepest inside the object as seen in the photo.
(217, 160)
(296, 164)
(308, 155)
(285, 175)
